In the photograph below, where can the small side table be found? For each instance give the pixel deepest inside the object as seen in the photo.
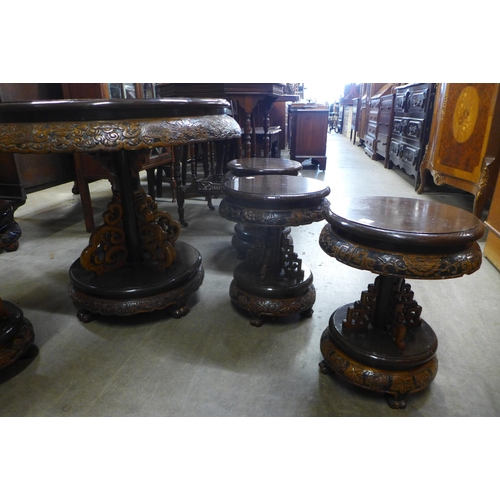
(272, 281)
(380, 342)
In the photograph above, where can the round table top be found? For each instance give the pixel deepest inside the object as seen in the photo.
(92, 125)
(276, 189)
(108, 109)
(264, 166)
(404, 221)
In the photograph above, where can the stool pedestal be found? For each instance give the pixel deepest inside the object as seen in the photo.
(272, 281)
(380, 342)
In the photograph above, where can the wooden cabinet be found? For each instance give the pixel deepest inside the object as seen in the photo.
(308, 132)
(464, 140)
(379, 119)
(413, 107)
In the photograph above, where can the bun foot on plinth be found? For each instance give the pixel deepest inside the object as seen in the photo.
(259, 307)
(397, 385)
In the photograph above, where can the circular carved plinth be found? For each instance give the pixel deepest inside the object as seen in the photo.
(260, 307)
(16, 333)
(397, 385)
(137, 289)
(374, 346)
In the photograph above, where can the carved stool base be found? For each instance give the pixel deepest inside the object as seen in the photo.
(139, 288)
(370, 360)
(260, 306)
(16, 334)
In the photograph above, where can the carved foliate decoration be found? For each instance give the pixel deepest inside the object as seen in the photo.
(399, 383)
(157, 232)
(393, 263)
(107, 249)
(94, 136)
(270, 217)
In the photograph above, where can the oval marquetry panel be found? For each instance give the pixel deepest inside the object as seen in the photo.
(465, 114)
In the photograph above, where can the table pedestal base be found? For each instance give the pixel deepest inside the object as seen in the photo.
(16, 334)
(368, 358)
(137, 288)
(273, 297)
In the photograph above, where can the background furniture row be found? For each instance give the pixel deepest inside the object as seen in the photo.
(438, 133)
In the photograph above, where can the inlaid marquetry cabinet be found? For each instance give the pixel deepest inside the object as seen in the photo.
(464, 140)
(413, 108)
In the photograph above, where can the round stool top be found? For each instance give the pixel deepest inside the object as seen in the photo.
(264, 166)
(404, 221)
(276, 189)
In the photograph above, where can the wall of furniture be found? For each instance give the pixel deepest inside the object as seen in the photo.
(380, 114)
(413, 108)
(464, 140)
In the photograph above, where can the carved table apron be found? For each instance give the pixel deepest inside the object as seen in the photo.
(380, 342)
(133, 262)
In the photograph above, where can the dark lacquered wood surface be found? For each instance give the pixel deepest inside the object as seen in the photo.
(276, 188)
(111, 109)
(264, 166)
(404, 220)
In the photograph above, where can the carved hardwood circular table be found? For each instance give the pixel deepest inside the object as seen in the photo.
(133, 262)
(272, 281)
(380, 342)
(245, 236)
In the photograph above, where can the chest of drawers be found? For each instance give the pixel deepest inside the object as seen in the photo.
(413, 106)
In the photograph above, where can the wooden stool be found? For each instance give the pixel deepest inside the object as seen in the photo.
(245, 236)
(272, 281)
(380, 342)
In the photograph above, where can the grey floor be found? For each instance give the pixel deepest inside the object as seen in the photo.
(212, 362)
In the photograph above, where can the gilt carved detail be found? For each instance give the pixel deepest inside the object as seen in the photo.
(94, 136)
(393, 263)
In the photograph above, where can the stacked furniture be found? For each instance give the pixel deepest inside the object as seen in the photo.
(413, 107)
(464, 140)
